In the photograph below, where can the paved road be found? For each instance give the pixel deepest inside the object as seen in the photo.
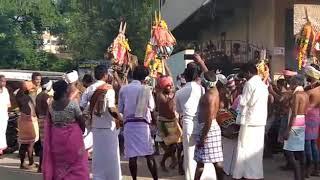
(9, 170)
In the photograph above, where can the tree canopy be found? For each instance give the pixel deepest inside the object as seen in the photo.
(86, 28)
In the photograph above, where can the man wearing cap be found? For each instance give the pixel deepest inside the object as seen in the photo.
(72, 78)
(170, 130)
(4, 105)
(43, 101)
(312, 74)
(28, 126)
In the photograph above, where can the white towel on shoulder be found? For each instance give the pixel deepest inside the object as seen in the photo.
(142, 102)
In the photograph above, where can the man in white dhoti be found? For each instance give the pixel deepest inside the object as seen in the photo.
(4, 105)
(253, 117)
(105, 120)
(187, 100)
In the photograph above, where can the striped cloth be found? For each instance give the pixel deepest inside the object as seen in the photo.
(312, 123)
(211, 152)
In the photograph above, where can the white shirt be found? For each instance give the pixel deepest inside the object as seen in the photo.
(254, 102)
(105, 120)
(187, 101)
(4, 103)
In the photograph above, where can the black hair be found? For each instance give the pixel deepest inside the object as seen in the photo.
(210, 76)
(2, 76)
(44, 81)
(60, 89)
(281, 82)
(87, 78)
(297, 80)
(316, 66)
(140, 73)
(100, 71)
(34, 75)
(192, 72)
(250, 68)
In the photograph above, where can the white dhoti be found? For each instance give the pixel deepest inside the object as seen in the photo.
(249, 158)
(106, 150)
(189, 142)
(3, 130)
(229, 154)
(88, 139)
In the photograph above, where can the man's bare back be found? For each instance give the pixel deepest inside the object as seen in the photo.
(314, 97)
(209, 105)
(300, 103)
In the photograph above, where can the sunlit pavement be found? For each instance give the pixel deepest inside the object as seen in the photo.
(9, 170)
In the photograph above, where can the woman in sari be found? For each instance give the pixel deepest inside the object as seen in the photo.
(65, 157)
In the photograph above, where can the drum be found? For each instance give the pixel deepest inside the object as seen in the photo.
(227, 122)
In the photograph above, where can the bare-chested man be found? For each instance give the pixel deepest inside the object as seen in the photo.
(42, 104)
(295, 133)
(27, 124)
(209, 146)
(168, 125)
(312, 120)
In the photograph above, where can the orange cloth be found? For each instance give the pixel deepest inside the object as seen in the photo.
(28, 85)
(28, 129)
(164, 82)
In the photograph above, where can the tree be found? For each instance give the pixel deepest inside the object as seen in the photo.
(92, 25)
(21, 26)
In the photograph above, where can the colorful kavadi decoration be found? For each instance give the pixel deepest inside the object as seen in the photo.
(119, 49)
(159, 47)
(306, 38)
(262, 67)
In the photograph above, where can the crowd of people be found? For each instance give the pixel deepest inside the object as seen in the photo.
(206, 118)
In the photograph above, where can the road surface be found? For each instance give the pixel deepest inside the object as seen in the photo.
(9, 170)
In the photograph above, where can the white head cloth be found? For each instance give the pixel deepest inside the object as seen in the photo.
(71, 77)
(222, 79)
(209, 84)
(47, 86)
(312, 72)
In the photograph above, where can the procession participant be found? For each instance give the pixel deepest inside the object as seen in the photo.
(72, 78)
(252, 119)
(36, 80)
(105, 122)
(282, 95)
(4, 105)
(43, 101)
(187, 100)
(312, 121)
(87, 80)
(136, 103)
(64, 156)
(28, 126)
(209, 146)
(168, 123)
(295, 134)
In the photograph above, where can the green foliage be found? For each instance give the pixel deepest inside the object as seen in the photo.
(92, 25)
(86, 27)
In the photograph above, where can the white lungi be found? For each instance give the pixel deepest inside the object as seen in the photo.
(189, 142)
(3, 130)
(229, 154)
(106, 155)
(249, 158)
(88, 139)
